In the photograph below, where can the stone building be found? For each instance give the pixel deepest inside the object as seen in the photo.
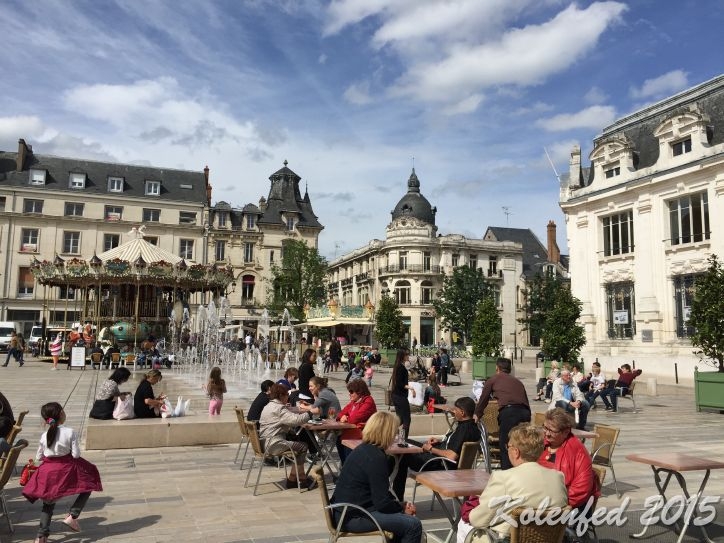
(642, 219)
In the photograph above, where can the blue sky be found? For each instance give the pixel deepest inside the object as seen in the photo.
(349, 92)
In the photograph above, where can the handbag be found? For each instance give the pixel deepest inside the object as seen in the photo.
(102, 409)
(27, 472)
(124, 408)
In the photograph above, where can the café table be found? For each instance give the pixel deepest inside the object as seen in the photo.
(325, 434)
(456, 485)
(674, 464)
(394, 450)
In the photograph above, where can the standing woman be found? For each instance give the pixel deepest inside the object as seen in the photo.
(145, 404)
(56, 348)
(62, 473)
(306, 371)
(400, 386)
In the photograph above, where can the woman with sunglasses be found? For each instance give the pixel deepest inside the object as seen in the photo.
(360, 408)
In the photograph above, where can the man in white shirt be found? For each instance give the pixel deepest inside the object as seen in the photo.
(248, 341)
(568, 396)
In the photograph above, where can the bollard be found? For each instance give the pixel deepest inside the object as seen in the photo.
(676, 372)
(651, 386)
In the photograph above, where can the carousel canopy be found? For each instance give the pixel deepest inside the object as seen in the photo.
(139, 247)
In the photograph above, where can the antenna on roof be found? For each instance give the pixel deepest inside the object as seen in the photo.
(508, 213)
(551, 163)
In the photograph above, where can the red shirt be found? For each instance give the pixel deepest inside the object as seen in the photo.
(357, 413)
(573, 460)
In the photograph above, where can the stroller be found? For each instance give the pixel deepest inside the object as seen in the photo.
(419, 372)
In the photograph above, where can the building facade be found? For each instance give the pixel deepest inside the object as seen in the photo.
(642, 220)
(413, 259)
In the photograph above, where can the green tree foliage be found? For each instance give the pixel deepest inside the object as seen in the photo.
(299, 280)
(487, 332)
(563, 338)
(459, 297)
(707, 313)
(540, 296)
(389, 328)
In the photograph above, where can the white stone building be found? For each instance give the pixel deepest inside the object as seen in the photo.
(641, 221)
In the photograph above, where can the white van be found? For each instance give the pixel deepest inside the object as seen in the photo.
(36, 334)
(5, 328)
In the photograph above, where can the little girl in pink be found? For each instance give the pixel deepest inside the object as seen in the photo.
(369, 372)
(215, 388)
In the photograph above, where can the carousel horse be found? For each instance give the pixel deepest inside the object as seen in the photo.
(106, 338)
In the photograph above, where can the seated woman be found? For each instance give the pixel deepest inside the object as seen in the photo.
(275, 423)
(145, 404)
(360, 408)
(364, 481)
(290, 376)
(433, 392)
(545, 388)
(324, 399)
(107, 394)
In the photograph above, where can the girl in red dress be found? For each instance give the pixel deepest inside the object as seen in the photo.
(62, 473)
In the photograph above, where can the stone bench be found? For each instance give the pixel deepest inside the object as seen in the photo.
(198, 428)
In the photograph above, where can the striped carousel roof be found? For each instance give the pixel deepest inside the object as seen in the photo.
(130, 251)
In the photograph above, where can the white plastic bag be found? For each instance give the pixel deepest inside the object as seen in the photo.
(124, 408)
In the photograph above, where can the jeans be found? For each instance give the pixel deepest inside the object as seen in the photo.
(582, 412)
(402, 408)
(46, 512)
(406, 528)
(612, 393)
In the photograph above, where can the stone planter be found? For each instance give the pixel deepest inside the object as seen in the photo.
(484, 367)
(709, 389)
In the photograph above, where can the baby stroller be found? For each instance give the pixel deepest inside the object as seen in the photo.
(418, 372)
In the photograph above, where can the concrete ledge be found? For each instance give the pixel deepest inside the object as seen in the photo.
(428, 424)
(194, 429)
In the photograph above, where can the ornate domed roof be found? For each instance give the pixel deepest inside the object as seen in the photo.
(414, 204)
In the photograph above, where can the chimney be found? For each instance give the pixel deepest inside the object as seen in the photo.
(262, 204)
(554, 253)
(24, 152)
(574, 178)
(208, 186)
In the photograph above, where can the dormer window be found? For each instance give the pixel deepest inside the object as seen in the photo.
(76, 181)
(250, 222)
(37, 177)
(681, 147)
(612, 171)
(290, 223)
(115, 184)
(153, 188)
(222, 223)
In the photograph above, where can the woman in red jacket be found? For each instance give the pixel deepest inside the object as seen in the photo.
(360, 408)
(565, 453)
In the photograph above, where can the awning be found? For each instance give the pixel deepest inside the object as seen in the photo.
(326, 323)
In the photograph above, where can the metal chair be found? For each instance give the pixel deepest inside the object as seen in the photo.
(602, 449)
(629, 395)
(261, 455)
(244, 436)
(336, 531)
(115, 359)
(96, 359)
(484, 446)
(130, 358)
(466, 460)
(527, 533)
(7, 470)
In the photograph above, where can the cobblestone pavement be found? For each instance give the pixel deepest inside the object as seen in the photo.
(197, 494)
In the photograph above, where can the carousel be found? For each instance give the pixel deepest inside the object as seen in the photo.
(132, 293)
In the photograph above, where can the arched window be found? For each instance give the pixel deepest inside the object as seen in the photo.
(426, 292)
(403, 293)
(247, 289)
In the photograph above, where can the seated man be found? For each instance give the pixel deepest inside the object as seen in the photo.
(259, 403)
(620, 388)
(527, 481)
(109, 354)
(466, 430)
(569, 397)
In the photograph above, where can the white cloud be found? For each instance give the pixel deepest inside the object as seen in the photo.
(467, 105)
(322, 59)
(595, 96)
(358, 93)
(342, 13)
(20, 126)
(668, 83)
(593, 117)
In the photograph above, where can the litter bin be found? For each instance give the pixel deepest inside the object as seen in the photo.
(539, 359)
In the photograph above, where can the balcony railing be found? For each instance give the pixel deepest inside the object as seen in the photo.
(495, 274)
(410, 268)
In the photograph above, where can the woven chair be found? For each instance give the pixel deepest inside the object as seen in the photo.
(96, 359)
(335, 529)
(244, 436)
(527, 533)
(490, 420)
(115, 360)
(539, 418)
(130, 359)
(466, 460)
(261, 455)
(629, 395)
(7, 471)
(11, 441)
(602, 449)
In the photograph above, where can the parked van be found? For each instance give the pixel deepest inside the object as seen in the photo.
(5, 328)
(36, 334)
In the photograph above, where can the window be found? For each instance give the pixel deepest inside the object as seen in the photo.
(247, 289)
(473, 262)
(111, 241)
(618, 234)
(187, 217)
(66, 293)
(220, 250)
(76, 181)
(426, 262)
(495, 291)
(71, 243)
(151, 215)
(455, 261)
(74, 209)
(2, 203)
(248, 252)
(186, 249)
(620, 310)
(426, 292)
(250, 222)
(114, 213)
(37, 177)
(492, 266)
(271, 256)
(153, 188)
(689, 218)
(681, 147)
(612, 172)
(290, 223)
(29, 240)
(403, 293)
(153, 240)
(32, 206)
(115, 184)
(684, 290)
(402, 260)
(222, 219)
(26, 282)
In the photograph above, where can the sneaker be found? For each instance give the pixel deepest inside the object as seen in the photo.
(614, 410)
(5, 365)
(53, 369)
(21, 364)
(547, 400)
(72, 523)
(41, 539)
(608, 408)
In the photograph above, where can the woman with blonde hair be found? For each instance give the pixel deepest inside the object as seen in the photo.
(364, 481)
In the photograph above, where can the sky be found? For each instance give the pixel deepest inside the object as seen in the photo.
(352, 93)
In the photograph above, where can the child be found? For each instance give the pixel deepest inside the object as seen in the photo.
(215, 388)
(56, 347)
(369, 372)
(62, 473)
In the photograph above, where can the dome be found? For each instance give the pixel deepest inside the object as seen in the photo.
(414, 204)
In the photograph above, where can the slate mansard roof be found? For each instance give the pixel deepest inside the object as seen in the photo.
(286, 198)
(535, 255)
(176, 185)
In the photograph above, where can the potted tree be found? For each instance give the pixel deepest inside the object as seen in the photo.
(389, 328)
(486, 337)
(707, 309)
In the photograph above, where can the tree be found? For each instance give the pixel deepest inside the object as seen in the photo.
(563, 338)
(487, 331)
(459, 298)
(707, 310)
(389, 328)
(299, 280)
(540, 297)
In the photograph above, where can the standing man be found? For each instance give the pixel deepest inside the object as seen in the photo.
(248, 339)
(414, 345)
(13, 349)
(444, 365)
(513, 406)
(569, 397)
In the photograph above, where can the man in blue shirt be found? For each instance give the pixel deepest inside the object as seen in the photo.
(568, 396)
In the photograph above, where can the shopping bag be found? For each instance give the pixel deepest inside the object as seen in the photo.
(27, 472)
(124, 408)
